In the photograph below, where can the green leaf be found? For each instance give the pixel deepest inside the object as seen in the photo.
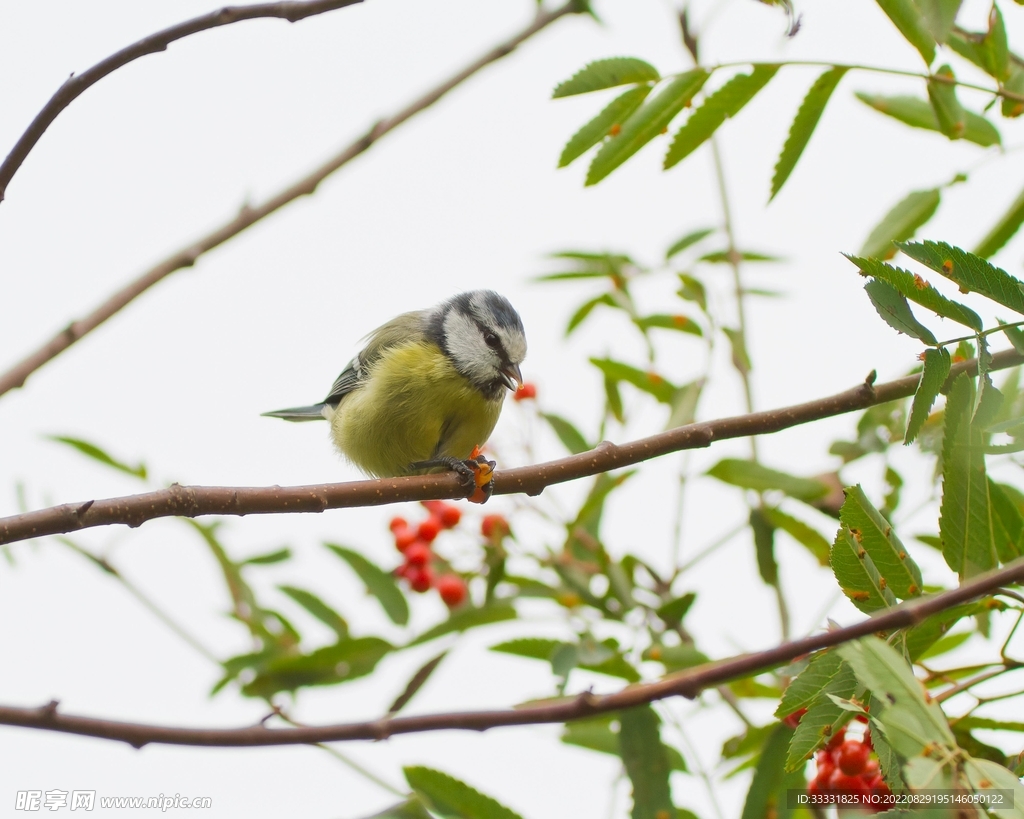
(949, 113)
(804, 123)
(343, 661)
(892, 307)
(763, 795)
(807, 686)
(938, 17)
(823, 717)
(1004, 229)
(971, 723)
(740, 356)
(675, 610)
(965, 522)
(995, 52)
(752, 475)
(466, 618)
(267, 558)
(613, 399)
(646, 123)
(97, 454)
(983, 774)
(599, 734)
(906, 17)
(585, 309)
(1007, 523)
(409, 809)
(452, 798)
(676, 658)
(946, 644)
(649, 382)
(686, 241)
(693, 290)
(571, 438)
(416, 682)
(664, 321)
(1010, 107)
(319, 609)
(936, 370)
(607, 74)
(728, 257)
(684, 404)
(900, 224)
(919, 114)
(534, 648)
(646, 762)
(724, 103)
(918, 290)
(923, 636)
(857, 575)
(615, 113)
(803, 534)
(898, 699)
(764, 547)
(378, 582)
(876, 537)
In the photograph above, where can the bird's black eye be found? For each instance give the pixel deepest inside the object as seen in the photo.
(491, 340)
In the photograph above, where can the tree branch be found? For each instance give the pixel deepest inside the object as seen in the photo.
(154, 43)
(688, 683)
(194, 501)
(249, 215)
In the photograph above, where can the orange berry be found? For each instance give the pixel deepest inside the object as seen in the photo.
(404, 538)
(526, 390)
(452, 589)
(450, 516)
(429, 529)
(494, 526)
(418, 554)
(421, 578)
(398, 523)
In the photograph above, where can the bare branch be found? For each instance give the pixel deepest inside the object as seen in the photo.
(194, 501)
(75, 86)
(249, 215)
(688, 683)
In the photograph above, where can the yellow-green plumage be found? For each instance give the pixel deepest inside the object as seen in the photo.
(414, 406)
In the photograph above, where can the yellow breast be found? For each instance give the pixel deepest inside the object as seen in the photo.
(413, 406)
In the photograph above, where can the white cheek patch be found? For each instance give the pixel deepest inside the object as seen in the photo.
(472, 357)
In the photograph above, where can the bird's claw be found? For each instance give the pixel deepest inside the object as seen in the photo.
(476, 474)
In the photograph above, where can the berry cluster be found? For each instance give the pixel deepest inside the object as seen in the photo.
(415, 545)
(847, 765)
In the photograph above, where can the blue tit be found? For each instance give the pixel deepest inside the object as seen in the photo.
(426, 389)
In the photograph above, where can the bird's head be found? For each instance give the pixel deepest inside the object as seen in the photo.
(483, 336)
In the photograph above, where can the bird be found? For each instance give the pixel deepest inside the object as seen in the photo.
(425, 391)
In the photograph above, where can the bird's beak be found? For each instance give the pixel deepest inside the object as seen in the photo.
(512, 377)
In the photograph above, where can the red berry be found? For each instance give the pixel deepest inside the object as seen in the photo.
(421, 578)
(867, 740)
(793, 719)
(840, 781)
(876, 784)
(429, 529)
(418, 554)
(525, 391)
(494, 526)
(404, 538)
(450, 516)
(826, 767)
(836, 740)
(398, 523)
(452, 589)
(813, 787)
(870, 770)
(852, 757)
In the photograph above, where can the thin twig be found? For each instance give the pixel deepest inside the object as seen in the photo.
(75, 86)
(249, 215)
(195, 501)
(689, 683)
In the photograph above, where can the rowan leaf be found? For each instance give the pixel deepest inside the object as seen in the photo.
(892, 306)
(907, 18)
(969, 272)
(615, 113)
(917, 113)
(607, 73)
(936, 370)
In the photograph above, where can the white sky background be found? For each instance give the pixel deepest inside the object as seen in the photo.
(464, 196)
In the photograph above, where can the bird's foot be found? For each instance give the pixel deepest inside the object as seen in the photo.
(476, 474)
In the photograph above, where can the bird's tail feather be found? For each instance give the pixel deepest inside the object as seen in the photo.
(313, 412)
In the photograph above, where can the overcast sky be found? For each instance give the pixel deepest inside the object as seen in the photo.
(466, 195)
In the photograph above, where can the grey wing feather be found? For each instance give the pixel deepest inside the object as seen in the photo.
(313, 412)
(400, 329)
